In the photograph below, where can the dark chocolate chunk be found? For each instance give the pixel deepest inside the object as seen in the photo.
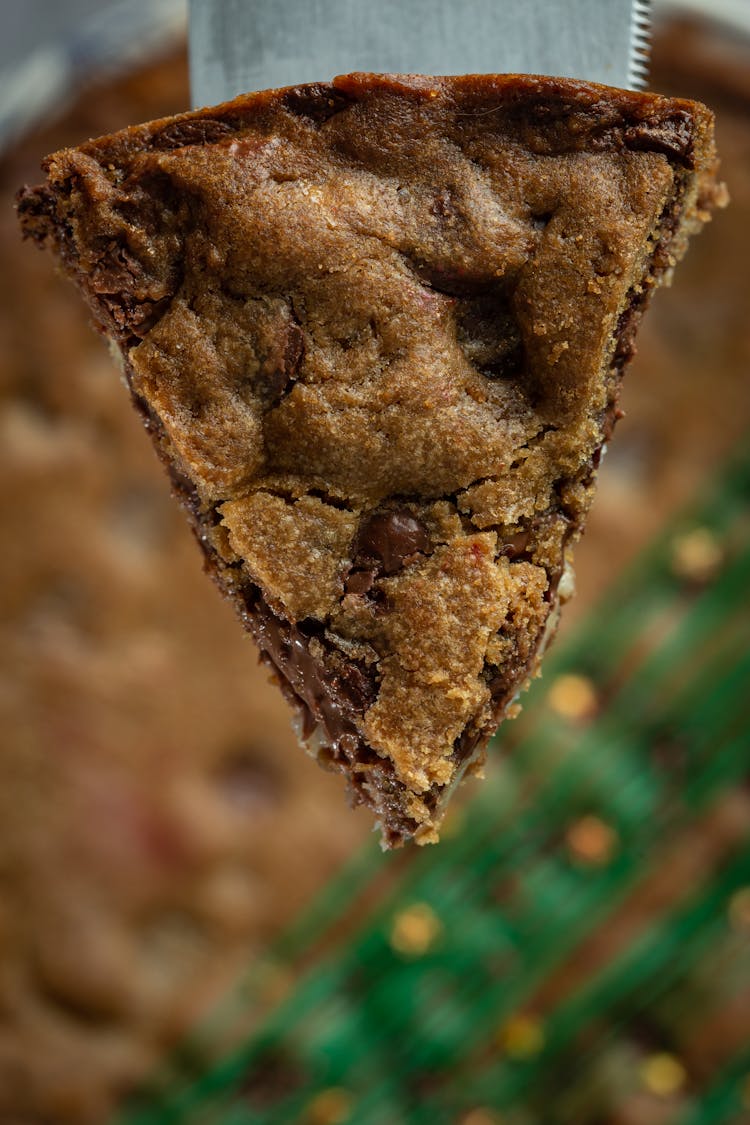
(672, 136)
(279, 369)
(116, 279)
(193, 132)
(330, 692)
(360, 581)
(515, 547)
(318, 102)
(391, 538)
(330, 688)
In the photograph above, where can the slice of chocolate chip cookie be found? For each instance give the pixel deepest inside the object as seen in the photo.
(376, 331)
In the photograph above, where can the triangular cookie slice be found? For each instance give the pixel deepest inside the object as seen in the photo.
(376, 331)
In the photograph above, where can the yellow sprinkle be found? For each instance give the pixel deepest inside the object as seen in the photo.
(521, 1037)
(330, 1107)
(739, 910)
(696, 555)
(573, 697)
(591, 841)
(415, 930)
(663, 1075)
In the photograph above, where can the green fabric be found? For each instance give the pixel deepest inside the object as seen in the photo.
(419, 1039)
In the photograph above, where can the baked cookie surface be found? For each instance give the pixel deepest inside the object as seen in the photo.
(376, 330)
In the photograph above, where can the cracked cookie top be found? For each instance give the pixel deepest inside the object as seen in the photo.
(376, 329)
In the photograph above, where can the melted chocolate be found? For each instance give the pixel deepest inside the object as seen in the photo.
(391, 539)
(331, 688)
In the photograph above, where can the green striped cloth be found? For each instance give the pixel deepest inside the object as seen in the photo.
(577, 949)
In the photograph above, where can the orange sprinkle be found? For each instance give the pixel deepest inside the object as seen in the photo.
(591, 841)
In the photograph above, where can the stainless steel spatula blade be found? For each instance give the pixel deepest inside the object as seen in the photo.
(241, 45)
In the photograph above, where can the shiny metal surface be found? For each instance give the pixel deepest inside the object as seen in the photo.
(242, 45)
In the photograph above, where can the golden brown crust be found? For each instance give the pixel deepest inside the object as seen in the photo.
(379, 327)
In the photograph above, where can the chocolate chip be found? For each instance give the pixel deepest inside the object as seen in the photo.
(391, 538)
(199, 131)
(673, 136)
(280, 366)
(516, 546)
(130, 319)
(355, 686)
(360, 581)
(316, 101)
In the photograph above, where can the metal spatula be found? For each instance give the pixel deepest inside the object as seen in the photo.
(241, 45)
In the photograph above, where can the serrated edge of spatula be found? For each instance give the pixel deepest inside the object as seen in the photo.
(640, 44)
